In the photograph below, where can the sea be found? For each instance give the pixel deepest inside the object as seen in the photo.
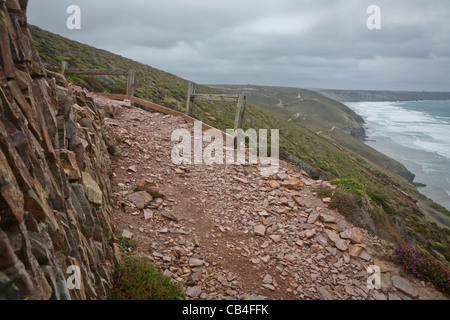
(415, 133)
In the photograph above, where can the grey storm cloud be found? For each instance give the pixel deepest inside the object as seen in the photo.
(297, 43)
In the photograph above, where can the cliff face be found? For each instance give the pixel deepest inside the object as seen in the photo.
(54, 178)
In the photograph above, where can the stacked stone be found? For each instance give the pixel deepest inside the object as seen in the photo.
(54, 178)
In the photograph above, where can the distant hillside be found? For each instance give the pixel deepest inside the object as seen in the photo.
(308, 105)
(390, 201)
(364, 95)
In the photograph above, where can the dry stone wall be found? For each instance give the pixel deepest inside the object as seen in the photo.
(54, 178)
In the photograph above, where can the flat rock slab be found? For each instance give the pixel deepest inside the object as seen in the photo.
(268, 279)
(132, 169)
(275, 237)
(194, 262)
(148, 214)
(365, 256)
(404, 286)
(313, 217)
(169, 215)
(260, 230)
(269, 286)
(354, 235)
(386, 283)
(393, 297)
(127, 234)
(194, 292)
(310, 233)
(379, 296)
(327, 218)
(325, 293)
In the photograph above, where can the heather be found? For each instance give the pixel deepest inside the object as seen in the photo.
(424, 267)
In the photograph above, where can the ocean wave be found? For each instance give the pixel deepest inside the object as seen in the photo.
(409, 128)
(412, 130)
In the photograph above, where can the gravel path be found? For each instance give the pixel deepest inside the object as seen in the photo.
(226, 232)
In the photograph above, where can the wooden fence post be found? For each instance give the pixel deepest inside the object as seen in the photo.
(238, 123)
(130, 84)
(189, 102)
(108, 72)
(63, 67)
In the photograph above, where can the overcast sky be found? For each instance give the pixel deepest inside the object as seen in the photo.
(295, 43)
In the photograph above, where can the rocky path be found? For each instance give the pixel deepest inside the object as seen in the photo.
(226, 232)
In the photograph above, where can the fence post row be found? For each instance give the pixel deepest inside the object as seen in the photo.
(239, 98)
(191, 96)
(107, 72)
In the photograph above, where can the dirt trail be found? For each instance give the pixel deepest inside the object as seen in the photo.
(445, 221)
(238, 235)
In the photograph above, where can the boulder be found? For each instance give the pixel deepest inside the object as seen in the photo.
(140, 199)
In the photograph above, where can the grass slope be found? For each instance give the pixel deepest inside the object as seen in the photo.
(391, 200)
(308, 105)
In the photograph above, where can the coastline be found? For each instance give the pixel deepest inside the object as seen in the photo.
(421, 163)
(430, 189)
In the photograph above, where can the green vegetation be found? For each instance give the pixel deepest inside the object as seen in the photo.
(325, 192)
(389, 206)
(139, 279)
(440, 209)
(350, 200)
(126, 244)
(424, 266)
(348, 185)
(348, 204)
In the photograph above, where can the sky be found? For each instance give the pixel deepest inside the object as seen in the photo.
(293, 43)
